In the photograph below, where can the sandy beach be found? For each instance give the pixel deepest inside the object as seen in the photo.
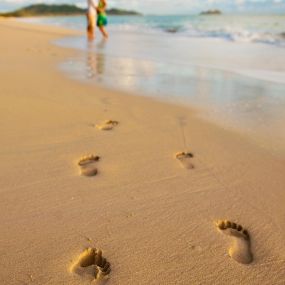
(157, 218)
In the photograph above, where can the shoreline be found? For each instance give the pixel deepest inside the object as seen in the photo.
(143, 209)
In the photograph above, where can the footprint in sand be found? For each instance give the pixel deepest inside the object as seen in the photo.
(107, 125)
(240, 248)
(87, 165)
(91, 263)
(185, 159)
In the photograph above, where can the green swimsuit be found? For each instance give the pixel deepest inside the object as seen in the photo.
(102, 17)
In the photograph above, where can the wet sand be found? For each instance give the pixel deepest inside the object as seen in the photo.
(237, 85)
(156, 220)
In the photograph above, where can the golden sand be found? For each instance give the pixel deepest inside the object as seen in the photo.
(152, 218)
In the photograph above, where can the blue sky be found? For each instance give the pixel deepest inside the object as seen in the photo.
(169, 6)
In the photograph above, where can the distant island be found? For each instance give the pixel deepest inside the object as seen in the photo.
(60, 10)
(121, 12)
(211, 12)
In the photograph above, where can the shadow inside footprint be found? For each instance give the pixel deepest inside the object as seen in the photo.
(91, 262)
(107, 125)
(240, 249)
(87, 165)
(185, 159)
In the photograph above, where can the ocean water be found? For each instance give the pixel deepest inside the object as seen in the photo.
(268, 29)
(230, 67)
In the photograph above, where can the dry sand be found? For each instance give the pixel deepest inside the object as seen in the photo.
(154, 219)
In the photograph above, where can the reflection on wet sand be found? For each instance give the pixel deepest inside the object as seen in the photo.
(126, 72)
(95, 61)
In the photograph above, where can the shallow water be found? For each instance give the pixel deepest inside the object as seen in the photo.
(268, 29)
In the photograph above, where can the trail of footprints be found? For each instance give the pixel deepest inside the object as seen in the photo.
(91, 261)
(87, 163)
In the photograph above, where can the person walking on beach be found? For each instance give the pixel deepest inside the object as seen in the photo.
(91, 15)
(102, 17)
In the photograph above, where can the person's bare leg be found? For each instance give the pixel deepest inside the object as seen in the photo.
(104, 32)
(90, 33)
(90, 27)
